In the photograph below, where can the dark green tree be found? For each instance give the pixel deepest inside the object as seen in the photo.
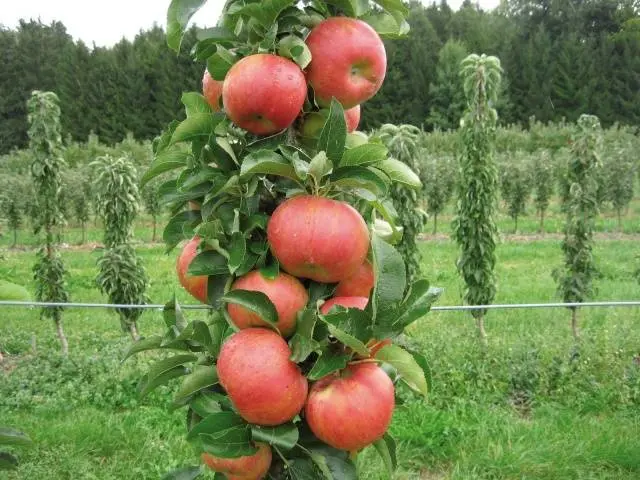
(542, 176)
(438, 174)
(515, 186)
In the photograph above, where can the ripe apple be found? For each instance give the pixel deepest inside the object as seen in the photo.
(265, 387)
(212, 91)
(347, 302)
(348, 61)
(318, 238)
(352, 117)
(357, 285)
(353, 408)
(196, 285)
(264, 93)
(286, 292)
(248, 467)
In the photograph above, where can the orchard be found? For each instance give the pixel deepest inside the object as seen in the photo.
(282, 210)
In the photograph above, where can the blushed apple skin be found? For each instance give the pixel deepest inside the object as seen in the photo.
(357, 285)
(196, 285)
(348, 302)
(349, 61)
(286, 293)
(265, 387)
(352, 117)
(264, 93)
(318, 238)
(249, 467)
(352, 409)
(212, 91)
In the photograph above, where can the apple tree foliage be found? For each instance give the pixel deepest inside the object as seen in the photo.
(542, 183)
(474, 227)
(438, 174)
(515, 187)
(121, 274)
(45, 143)
(237, 179)
(575, 277)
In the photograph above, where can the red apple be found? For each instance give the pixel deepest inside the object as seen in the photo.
(196, 285)
(265, 387)
(264, 93)
(318, 238)
(353, 408)
(249, 467)
(348, 61)
(357, 285)
(212, 91)
(286, 292)
(352, 116)
(347, 302)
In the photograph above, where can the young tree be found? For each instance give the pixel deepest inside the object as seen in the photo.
(474, 227)
(575, 277)
(515, 186)
(542, 181)
(13, 213)
(619, 174)
(151, 199)
(403, 143)
(79, 193)
(438, 175)
(45, 143)
(121, 276)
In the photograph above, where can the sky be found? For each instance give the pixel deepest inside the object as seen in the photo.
(105, 22)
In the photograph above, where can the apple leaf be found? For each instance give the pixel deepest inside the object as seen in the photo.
(409, 370)
(149, 343)
(224, 434)
(360, 177)
(417, 304)
(302, 343)
(208, 262)
(215, 289)
(172, 315)
(266, 162)
(304, 469)
(148, 384)
(293, 47)
(386, 25)
(198, 125)
(283, 436)
(257, 302)
(352, 8)
(352, 321)
(165, 161)
(178, 15)
(328, 362)
(185, 473)
(390, 277)
(201, 377)
(195, 102)
(400, 172)
(9, 436)
(180, 227)
(319, 167)
(237, 251)
(220, 63)
(386, 447)
(334, 464)
(366, 154)
(424, 365)
(334, 133)
(264, 12)
(349, 340)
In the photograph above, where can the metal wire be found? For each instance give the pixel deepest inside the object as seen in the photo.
(443, 308)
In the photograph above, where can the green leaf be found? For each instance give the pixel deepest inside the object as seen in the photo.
(203, 376)
(320, 167)
(349, 340)
(304, 469)
(352, 321)
(334, 464)
(302, 343)
(149, 343)
(220, 63)
(164, 370)
(172, 315)
(334, 133)
(12, 292)
(178, 15)
(352, 8)
(393, 6)
(361, 177)
(9, 436)
(283, 436)
(180, 227)
(223, 434)
(265, 12)
(8, 461)
(216, 285)
(424, 365)
(237, 251)
(266, 162)
(387, 25)
(362, 155)
(208, 262)
(329, 361)
(257, 302)
(390, 276)
(410, 372)
(147, 385)
(185, 473)
(197, 126)
(205, 403)
(165, 161)
(293, 47)
(400, 172)
(195, 102)
(418, 303)
(386, 447)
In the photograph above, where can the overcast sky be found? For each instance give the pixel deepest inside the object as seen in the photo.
(105, 22)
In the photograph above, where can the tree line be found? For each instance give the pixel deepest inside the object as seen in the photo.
(561, 58)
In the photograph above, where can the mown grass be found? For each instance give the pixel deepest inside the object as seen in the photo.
(533, 404)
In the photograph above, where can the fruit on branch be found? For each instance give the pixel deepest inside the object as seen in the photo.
(318, 238)
(286, 293)
(265, 387)
(314, 122)
(264, 93)
(352, 117)
(348, 61)
(212, 91)
(357, 285)
(196, 285)
(347, 302)
(249, 467)
(353, 408)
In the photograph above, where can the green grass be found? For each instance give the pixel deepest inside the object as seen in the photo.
(531, 405)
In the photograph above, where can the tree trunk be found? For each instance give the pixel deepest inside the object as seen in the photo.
(481, 331)
(84, 233)
(541, 228)
(153, 237)
(133, 331)
(574, 323)
(15, 237)
(515, 224)
(435, 223)
(63, 339)
(619, 212)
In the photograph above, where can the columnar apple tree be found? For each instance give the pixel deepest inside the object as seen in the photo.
(45, 143)
(287, 224)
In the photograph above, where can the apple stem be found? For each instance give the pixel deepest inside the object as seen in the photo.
(366, 360)
(286, 462)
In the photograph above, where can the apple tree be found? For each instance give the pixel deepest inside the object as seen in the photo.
(542, 183)
(289, 229)
(474, 227)
(515, 186)
(45, 143)
(438, 174)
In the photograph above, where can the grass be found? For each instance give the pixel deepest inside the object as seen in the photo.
(531, 405)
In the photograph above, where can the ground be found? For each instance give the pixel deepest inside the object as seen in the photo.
(533, 404)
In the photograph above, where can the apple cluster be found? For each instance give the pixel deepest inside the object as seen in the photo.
(313, 238)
